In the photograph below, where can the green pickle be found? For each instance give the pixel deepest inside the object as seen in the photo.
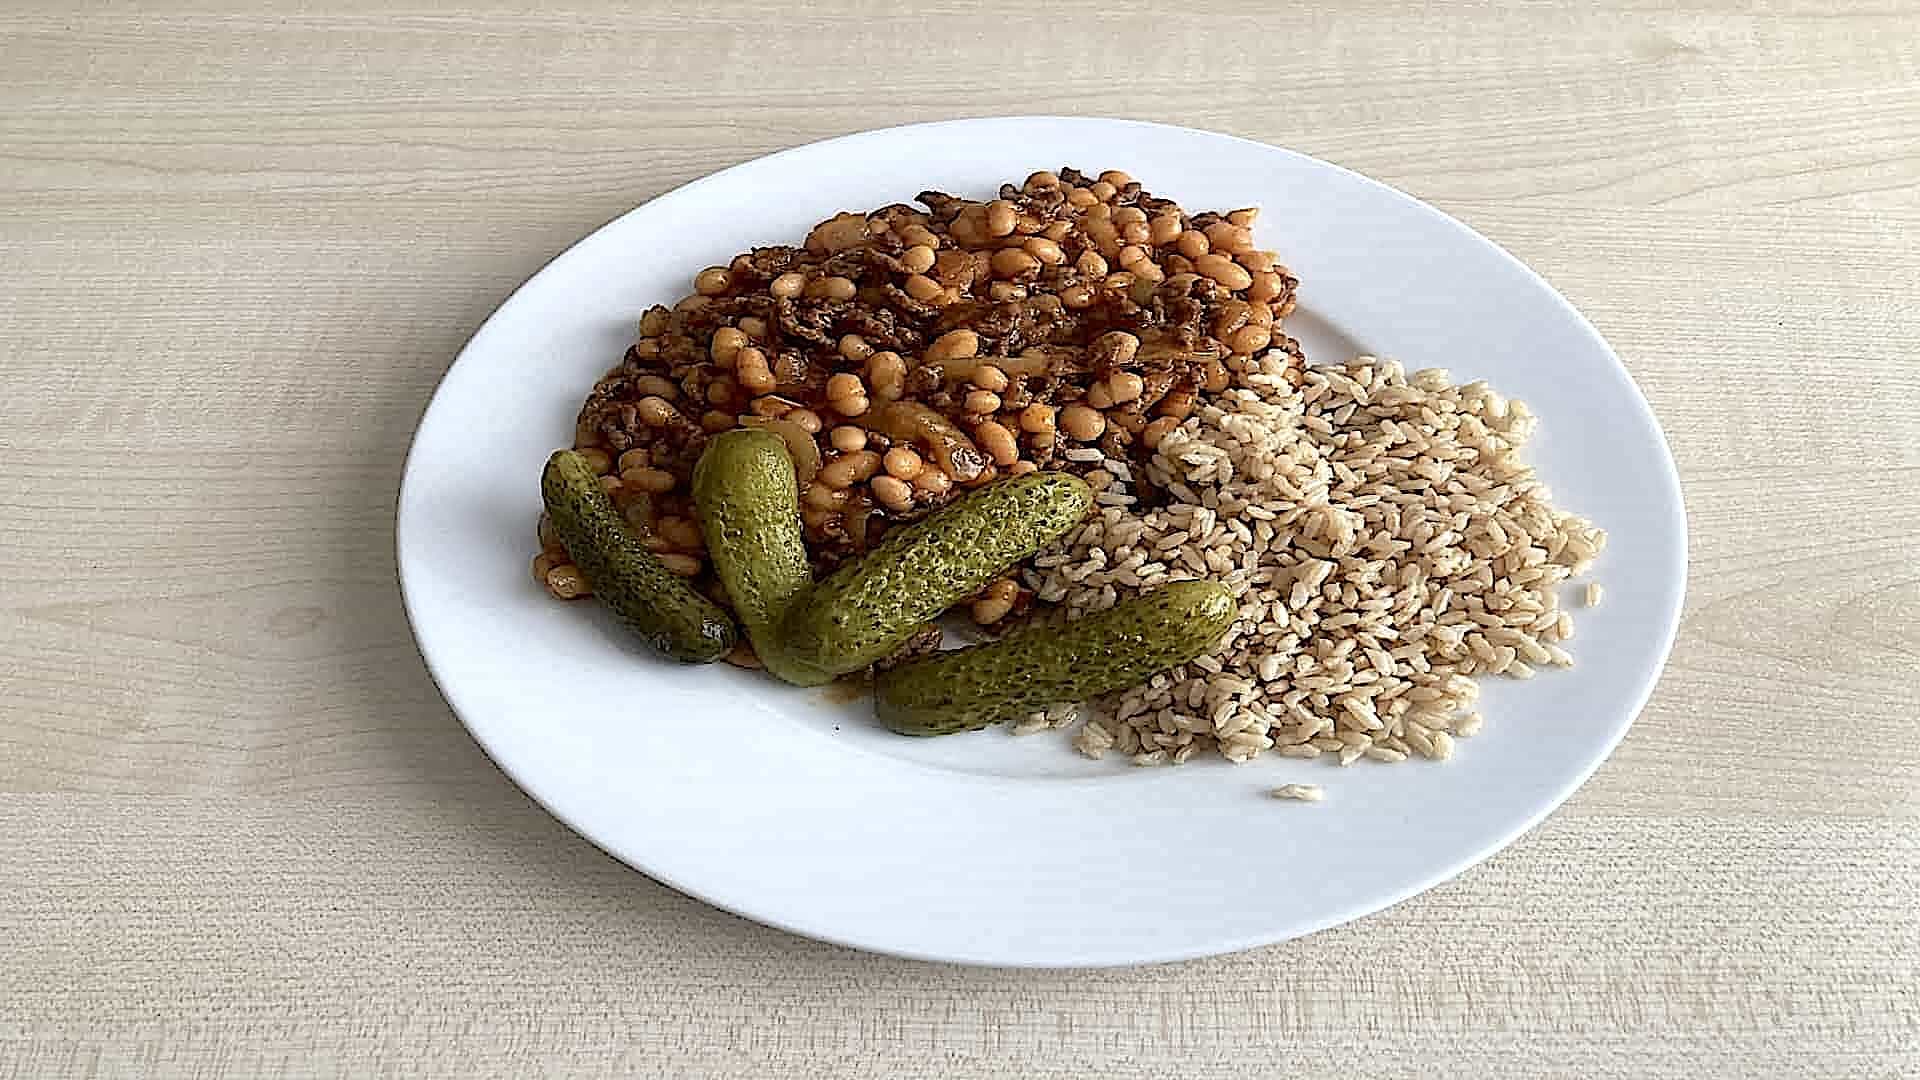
(868, 608)
(749, 513)
(1045, 665)
(642, 593)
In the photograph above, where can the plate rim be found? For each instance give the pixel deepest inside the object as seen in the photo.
(1561, 793)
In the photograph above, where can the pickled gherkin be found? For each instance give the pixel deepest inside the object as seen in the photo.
(1044, 665)
(867, 608)
(749, 512)
(648, 598)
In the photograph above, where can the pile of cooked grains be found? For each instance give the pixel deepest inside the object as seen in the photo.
(1387, 544)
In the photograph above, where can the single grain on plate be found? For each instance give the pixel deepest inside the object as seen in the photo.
(1299, 792)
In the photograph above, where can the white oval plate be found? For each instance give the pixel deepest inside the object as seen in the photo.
(793, 808)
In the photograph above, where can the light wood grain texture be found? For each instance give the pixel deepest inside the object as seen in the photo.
(240, 834)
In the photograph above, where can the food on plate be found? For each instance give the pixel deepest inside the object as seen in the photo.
(870, 606)
(637, 587)
(1388, 545)
(1043, 664)
(1071, 413)
(743, 490)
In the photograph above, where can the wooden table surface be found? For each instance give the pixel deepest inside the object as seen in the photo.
(241, 834)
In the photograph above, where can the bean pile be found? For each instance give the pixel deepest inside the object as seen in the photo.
(910, 353)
